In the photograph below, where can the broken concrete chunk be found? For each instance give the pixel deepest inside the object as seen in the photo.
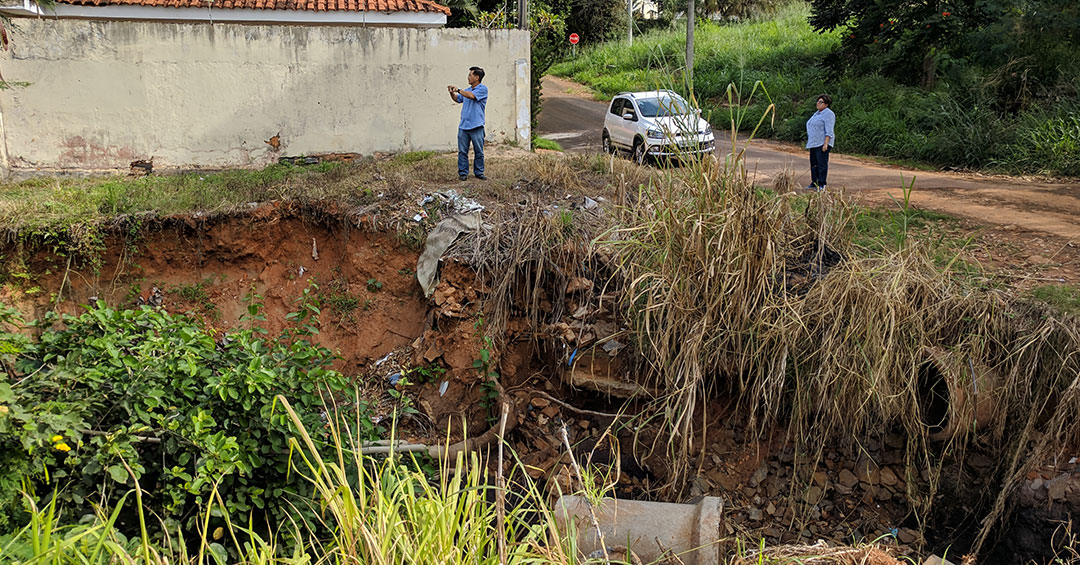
(813, 495)
(759, 475)
(907, 536)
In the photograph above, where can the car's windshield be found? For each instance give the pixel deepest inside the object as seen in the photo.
(663, 106)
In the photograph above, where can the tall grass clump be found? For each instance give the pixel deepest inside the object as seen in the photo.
(385, 510)
(387, 513)
(764, 299)
(371, 509)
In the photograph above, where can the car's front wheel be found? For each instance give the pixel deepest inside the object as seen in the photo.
(605, 141)
(639, 152)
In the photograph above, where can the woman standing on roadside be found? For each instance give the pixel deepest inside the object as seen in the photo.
(820, 137)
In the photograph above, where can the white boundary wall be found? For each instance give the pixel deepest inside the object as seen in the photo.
(102, 94)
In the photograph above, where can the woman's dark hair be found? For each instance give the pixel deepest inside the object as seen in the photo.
(826, 99)
(478, 72)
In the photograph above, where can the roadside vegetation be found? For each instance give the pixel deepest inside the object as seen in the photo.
(1014, 117)
(139, 435)
(549, 144)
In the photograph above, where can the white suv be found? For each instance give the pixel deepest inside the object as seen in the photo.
(657, 123)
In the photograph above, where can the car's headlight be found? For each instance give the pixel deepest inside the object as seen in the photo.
(653, 133)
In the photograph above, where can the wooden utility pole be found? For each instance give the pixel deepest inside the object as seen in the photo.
(690, 46)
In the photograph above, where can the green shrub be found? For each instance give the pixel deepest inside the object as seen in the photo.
(104, 398)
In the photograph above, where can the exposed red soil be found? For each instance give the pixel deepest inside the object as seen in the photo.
(268, 252)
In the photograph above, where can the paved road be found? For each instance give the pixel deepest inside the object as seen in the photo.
(571, 117)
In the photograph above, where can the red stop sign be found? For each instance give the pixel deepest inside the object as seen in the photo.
(574, 39)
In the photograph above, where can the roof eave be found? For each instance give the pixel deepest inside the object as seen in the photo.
(232, 15)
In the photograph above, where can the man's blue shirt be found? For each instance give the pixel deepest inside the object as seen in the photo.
(472, 111)
(818, 126)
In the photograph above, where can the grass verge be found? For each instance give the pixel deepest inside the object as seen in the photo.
(549, 144)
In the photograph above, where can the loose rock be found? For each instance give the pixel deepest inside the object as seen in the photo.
(848, 479)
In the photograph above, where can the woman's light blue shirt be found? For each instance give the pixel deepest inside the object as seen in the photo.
(820, 125)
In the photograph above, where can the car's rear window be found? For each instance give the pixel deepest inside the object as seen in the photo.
(662, 106)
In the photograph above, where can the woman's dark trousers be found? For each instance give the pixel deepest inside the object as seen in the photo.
(819, 167)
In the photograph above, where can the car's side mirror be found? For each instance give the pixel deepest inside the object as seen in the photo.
(628, 116)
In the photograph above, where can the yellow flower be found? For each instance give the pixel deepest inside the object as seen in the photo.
(62, 447)
(57, 438)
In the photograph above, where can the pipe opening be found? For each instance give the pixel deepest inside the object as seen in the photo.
(934, 397)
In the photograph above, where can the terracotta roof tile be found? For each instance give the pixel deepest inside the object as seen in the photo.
(312, 5)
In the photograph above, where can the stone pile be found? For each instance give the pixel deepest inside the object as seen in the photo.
(843, 499)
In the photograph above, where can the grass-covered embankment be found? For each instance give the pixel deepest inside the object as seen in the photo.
(953, 125)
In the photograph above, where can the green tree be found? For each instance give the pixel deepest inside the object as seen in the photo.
(547, 30)
(547, 34)
(1028, 40)
(596, 21)
(907, 39)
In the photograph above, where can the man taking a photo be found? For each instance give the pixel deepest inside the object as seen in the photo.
(473, 101)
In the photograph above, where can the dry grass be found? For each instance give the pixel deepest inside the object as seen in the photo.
(732, 292)
(817, 554)
(540, 236)
(785, 181)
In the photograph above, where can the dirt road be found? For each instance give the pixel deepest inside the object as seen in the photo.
(1037, 223)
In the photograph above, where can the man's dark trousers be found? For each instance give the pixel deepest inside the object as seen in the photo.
(474, 136)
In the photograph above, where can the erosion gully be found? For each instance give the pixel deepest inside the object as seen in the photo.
(377, 319)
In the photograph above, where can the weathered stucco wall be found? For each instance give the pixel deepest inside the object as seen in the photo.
(102, 94)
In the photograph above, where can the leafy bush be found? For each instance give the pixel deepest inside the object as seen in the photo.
(104, 399)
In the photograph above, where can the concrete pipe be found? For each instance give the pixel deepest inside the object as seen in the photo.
(956, 395)
(647, 528)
